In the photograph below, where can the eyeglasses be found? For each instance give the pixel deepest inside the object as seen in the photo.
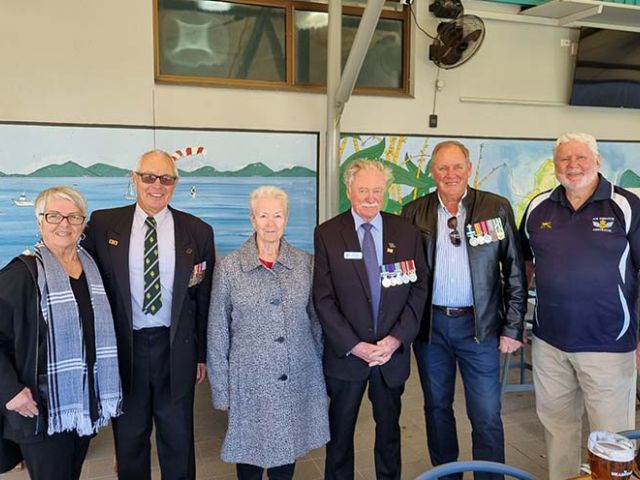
(56, 217)
(150, 178)
(454, 234)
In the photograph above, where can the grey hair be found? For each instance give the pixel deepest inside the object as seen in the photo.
(268, 191)
(60, 191)
(587, 139)
(451, 143)
(366, 164)
(161, 153)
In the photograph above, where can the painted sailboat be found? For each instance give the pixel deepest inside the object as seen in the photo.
(130, 193)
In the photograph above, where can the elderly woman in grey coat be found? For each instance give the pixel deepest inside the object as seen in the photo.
(265, 348)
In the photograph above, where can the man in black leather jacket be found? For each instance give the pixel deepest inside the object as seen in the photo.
(475, 306)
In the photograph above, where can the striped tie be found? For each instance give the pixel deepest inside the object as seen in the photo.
(152, 295)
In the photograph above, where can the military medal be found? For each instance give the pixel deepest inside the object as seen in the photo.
(405, 274)
(485, 232)
(491, 226)
(413, 276)
(473, 240)
(499, 229)
(479, 233)
(386, 281)
(395, 279)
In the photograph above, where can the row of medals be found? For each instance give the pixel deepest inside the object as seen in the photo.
(485, 232)
(398, 273)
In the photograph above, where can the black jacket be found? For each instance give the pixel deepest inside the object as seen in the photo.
(497, 268)
(107, 240)
(343, 300)
(22, 342)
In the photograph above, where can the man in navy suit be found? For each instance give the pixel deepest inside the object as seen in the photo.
(156, 264)
(369, 292)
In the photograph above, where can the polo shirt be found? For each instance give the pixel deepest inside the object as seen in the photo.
(586, 264)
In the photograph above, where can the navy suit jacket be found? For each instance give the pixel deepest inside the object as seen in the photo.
(343, 301)
(107, 239)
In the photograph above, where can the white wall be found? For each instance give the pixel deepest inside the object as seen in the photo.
(90, 61)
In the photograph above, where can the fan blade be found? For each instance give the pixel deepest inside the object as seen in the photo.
(451, 56)
(473, 36)
(450, 34)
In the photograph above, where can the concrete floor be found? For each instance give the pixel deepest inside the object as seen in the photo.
(523, 436)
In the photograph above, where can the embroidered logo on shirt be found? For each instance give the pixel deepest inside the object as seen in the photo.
(544, 225)
(602, 224)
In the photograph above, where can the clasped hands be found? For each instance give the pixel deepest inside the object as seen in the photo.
(377, 353)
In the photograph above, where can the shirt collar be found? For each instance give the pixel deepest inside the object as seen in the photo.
(602, 192)
(376, 221)
(460, 204)
(140, 216)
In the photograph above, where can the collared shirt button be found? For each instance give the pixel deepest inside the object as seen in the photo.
(283, 378)
(280, 339)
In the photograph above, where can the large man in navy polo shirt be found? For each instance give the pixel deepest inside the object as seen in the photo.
(584, 237)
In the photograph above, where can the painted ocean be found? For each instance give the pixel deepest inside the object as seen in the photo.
(220, 201)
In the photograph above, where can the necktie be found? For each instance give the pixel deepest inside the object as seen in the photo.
(152, 299)
(373, 271)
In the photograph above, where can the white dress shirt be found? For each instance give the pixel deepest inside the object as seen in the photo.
(167, 259)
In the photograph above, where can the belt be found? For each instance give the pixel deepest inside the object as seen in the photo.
(453, 311)
(151, 331)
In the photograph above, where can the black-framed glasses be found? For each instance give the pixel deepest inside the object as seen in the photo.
(150, 178)
(56, 217)
(454, 234)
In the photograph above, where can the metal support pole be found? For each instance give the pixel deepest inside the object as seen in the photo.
(339, 90)
(331, 159)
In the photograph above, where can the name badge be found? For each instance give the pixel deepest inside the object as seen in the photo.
(353, 255)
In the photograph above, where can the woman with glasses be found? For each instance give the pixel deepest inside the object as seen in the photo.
(59, 379)
(265, 348)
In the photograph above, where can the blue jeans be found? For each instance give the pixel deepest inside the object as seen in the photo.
(452, 341)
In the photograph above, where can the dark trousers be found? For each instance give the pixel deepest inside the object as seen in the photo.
(56, 457)
(346, 397)
(149, 402)
(453, 342)
(253, 472)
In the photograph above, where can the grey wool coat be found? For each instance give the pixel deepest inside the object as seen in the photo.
(264, 357)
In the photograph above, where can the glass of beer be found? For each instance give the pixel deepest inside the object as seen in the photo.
(611, 456)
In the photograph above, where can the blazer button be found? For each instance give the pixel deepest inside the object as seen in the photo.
(280, 339)
(283, 378)
(275, 301)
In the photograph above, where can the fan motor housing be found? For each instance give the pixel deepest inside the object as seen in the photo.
(446, 8)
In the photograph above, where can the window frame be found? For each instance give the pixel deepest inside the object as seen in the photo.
(289, 7)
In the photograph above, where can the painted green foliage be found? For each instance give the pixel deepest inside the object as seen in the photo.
(414, 182)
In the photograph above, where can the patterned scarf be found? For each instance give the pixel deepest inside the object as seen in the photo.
(67, 364)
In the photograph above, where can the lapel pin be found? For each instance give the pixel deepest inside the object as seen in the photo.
(113, 242)
(189, 251)
(391, 247)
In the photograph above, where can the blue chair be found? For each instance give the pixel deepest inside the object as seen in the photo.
(631, 434)
(475, 466)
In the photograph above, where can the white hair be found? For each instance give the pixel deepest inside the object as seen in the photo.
(61, 191)
(366, 164)
(157, 152)
(268, 191)
(588, 140)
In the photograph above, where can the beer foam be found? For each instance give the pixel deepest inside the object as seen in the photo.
(611, 446)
